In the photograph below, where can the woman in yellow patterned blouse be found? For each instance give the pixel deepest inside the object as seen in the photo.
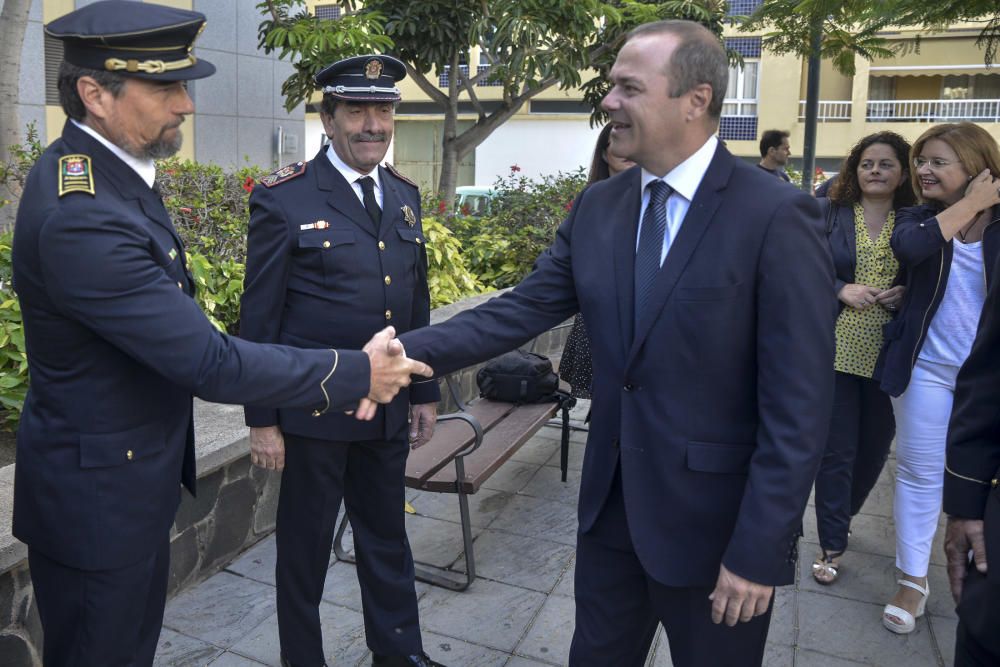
(873, 183)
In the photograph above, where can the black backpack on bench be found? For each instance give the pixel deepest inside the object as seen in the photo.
(525, 377)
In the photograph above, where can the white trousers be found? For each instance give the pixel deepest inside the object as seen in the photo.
(922, 414)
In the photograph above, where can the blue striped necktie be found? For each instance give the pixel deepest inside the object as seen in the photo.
(647, 256)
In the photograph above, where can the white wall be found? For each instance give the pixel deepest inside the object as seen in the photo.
(538, 147)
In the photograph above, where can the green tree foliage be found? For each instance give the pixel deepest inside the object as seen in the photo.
(527, 47)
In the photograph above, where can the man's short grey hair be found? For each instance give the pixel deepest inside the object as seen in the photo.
(69, 98)
(699, 58)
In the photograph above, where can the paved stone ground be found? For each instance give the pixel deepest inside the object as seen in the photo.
(519, 612)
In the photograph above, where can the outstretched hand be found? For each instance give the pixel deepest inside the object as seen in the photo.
(390, 371)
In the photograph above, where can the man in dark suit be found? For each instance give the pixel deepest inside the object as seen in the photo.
(117, 345)
(335, 252)
(710, 290)
(972, 494)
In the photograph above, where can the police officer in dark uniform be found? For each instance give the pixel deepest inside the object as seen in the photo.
(335, 252)
(117, 345)
(972, 494)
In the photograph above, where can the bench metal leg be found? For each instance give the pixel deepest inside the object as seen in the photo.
(430, 574)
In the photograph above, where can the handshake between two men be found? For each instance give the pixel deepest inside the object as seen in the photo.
(391, 371)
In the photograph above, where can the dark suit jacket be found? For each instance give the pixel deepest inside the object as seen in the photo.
(116, 347)
(717, 405)
(334, 286)
(971, 488)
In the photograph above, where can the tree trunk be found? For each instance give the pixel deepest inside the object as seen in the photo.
(449, 155)
(13, 21)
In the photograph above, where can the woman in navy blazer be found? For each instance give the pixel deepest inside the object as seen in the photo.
(872, 185)
(948, 245)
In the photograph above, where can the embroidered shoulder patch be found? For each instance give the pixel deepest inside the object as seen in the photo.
(75, 175)
(395, 172)
(286, 173)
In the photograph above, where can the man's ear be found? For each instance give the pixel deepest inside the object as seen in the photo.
(327, 121)
(96, 99)
(700, 99)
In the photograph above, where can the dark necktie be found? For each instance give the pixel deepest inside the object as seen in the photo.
(647, 256)
(371, 204)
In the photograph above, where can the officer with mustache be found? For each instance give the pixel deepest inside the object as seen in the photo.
(335, 253)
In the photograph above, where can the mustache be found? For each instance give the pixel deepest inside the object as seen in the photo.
(368, 137)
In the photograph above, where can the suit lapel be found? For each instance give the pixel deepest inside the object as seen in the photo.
(699, 215)
(342, 196)
(626, 214)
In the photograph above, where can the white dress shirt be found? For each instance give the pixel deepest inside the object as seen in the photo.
(684, 179)
(352, 175)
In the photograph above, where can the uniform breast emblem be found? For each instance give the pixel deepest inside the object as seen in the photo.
(408, 215)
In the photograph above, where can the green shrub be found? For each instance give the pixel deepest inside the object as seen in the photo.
(13, 360)
(501, 248)
(447, 275)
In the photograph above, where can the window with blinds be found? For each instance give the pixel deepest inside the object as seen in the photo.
(53, 58)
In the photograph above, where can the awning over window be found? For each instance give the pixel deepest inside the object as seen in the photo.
(937, 57)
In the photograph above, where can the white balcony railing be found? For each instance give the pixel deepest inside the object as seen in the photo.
(933, 111)
(829, 110)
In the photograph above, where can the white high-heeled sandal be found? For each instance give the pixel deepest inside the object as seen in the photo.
(909, 620)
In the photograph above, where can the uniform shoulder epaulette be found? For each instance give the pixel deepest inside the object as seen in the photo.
(286, 173)
(395, 172)
(76, 174)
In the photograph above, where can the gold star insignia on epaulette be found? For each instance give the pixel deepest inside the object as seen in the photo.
(75, 175)
(286, 173)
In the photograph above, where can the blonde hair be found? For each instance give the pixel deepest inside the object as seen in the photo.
(976, 149)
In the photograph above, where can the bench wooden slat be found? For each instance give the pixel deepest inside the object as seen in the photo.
(450, 437)
(499, 444)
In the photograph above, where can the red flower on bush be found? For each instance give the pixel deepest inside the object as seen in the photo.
(568, 206)
(514, 169)
(248, 184)
(442, 207)
(185, 209)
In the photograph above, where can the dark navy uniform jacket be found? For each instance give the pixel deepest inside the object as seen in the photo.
(320, 275)
(116, 347)
(715, 405)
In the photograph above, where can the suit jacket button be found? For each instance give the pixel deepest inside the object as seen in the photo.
(381, 245)
(388, 314)
(316, 413)
(388, 280)
(326, 244)
(629, 387)
(129, 455)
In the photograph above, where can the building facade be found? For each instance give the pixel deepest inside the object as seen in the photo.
(240, 117)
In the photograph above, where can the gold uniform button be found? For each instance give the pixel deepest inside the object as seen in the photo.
(418, 240)
(388, 314)
(129, 455)
(316, 413)
(179, 285)
(381, 245)
(388, 280)
(326, 244)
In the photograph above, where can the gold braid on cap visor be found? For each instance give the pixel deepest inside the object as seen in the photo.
(149, 66)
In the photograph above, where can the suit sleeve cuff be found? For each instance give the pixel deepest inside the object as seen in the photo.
(424, 390)
(964, 497)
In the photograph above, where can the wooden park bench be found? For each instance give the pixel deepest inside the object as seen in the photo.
(468, 446)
